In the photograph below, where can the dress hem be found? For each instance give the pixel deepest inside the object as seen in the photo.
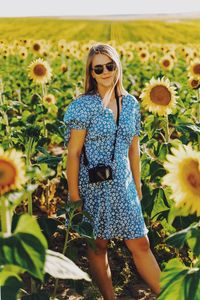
(124, 238)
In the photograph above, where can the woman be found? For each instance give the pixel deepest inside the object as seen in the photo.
(114, 203)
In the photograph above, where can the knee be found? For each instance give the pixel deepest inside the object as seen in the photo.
(138, 246)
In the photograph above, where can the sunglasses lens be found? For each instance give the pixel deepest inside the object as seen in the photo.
(98, 69)
(111, 66)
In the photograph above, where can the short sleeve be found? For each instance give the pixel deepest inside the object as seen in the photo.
(77, 116)
(137, 118)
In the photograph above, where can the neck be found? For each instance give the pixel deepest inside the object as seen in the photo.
(103, 90)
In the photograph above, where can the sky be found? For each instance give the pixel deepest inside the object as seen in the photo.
(20, 8)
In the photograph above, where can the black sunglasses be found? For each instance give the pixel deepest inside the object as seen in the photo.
(110, 66)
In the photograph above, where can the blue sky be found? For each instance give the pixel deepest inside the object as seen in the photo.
(19, 8)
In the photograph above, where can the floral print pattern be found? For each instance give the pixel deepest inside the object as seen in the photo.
(114, 204)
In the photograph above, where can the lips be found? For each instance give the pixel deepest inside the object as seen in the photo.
(107, 77)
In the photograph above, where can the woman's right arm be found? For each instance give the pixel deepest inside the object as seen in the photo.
(75, 146)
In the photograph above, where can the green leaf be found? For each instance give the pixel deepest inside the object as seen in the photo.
(189, 235)
(161, 206)
(87, 215)
(177, 239)
(163, 150)
(48, 225)
(26, 247)
(179, 282)
(28, 224)
(193, 240)
(171, 281)
(59, 266)
(10, 281)
(85, 229)
(7, 271)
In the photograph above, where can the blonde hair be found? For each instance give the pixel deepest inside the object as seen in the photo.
(90, 85)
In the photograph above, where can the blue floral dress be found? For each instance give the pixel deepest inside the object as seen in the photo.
(114, 204)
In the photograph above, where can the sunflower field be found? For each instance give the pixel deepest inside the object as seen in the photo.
(41, 257)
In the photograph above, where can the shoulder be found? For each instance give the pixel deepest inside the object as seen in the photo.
(80, 103)
(81, 107)
(132, 100)
(83, 101)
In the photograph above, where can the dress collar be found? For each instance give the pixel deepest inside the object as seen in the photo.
(97, 95)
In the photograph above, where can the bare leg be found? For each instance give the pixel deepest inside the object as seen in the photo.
(145, 262)
(100, 269)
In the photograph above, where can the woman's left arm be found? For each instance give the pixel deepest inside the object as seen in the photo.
(135, 164)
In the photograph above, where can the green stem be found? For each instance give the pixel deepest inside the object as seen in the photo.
(64, 251)
(5, 217)
(167, 129)
(68, 71)
(44, 89)
(30, 205)
(28, 162)
(47, 196)
(44, 127)
(5, 117)
(28, 150)
(28, 153)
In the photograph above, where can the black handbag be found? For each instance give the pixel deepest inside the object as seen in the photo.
(102, 172)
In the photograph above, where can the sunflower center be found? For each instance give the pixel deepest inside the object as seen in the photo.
(40, 70)
(193, 176)
(160, 95)
(166, 63)
(196, 69)
(7, 173)
(48, 99)
(36, 47)
(143, 55)
(194, 83)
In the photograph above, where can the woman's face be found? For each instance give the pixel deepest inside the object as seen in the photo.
(106, 78)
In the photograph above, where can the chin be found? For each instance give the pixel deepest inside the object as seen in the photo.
(107, 84)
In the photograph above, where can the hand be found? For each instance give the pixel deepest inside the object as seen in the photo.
(78, 209)
(140, 194)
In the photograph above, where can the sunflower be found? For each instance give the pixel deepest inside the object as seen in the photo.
(49, 99)
(153, 56)
(167, 63)
(158, 96)
(23, 53)
(193, 83)
(144, 55)
(39, 71)
(37, 46)
(62, 45)
(129, 55)
(64, 68)
(172, 55)
(122, 51)
(12, 170)
(184, 177)
(85, 47)
(194, 69)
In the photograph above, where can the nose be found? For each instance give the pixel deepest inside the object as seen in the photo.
(105, 70)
